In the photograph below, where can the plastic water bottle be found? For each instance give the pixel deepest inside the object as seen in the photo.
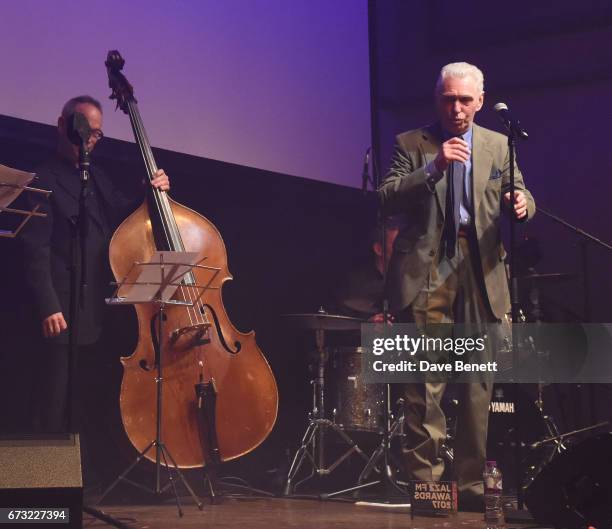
(492, 477)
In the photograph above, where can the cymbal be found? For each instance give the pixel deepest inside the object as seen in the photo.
(551, 277)
(324, 322)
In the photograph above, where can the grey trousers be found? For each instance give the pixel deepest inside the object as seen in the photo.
(453, 293)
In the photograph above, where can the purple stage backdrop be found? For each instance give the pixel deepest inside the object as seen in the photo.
(274, 84)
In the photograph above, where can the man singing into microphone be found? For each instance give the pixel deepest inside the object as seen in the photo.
(47, 259)
(451, 180)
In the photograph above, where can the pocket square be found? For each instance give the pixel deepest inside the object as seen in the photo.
(495, 173)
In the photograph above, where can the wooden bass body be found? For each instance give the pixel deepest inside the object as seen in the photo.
(246, 392)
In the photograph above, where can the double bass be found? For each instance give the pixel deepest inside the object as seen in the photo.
(200, 344)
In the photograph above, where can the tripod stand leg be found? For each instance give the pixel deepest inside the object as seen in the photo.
(375, 458)
(354, 446)
(298, 459)
(102, 516)
(350, 489)
(121, 477)
(162, 453)
(183, 480)
(371, 464)
(387, 478)
(554, 432)
(211, 489)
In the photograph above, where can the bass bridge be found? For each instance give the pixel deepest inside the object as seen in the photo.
(190, 336)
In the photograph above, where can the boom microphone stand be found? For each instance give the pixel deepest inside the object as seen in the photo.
(514, 131)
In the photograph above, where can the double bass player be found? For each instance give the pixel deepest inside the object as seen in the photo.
(46, 246)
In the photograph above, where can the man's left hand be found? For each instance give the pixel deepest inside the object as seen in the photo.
(161, 181)
(520, 204)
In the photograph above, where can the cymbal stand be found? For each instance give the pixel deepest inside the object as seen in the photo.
(392, 427)
(313, 441)
(555, 442)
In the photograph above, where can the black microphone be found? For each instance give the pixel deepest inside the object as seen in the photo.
(365, 175)
(510, 122)
(78, 128)
(79, 131)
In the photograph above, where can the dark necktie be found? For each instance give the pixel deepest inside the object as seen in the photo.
(454, 193)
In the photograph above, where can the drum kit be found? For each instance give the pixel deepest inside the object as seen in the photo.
(359, 409)
(356, 407)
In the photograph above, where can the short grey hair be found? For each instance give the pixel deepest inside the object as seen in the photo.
(461, 70)
(71, 105)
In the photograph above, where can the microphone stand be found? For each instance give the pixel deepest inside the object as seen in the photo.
(514, 300)
(78, 292)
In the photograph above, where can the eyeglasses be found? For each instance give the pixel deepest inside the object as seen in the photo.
(97, 134)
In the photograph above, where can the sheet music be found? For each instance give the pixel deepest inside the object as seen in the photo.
(11, 181)
(146, 280)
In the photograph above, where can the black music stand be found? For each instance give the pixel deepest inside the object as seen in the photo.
(156, 282)
(12, 183)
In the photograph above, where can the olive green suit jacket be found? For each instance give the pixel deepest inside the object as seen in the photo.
(410, 190)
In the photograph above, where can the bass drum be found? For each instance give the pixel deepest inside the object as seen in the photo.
(355, 405)
(500, 440)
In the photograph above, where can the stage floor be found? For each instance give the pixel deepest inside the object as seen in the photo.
(278, 513)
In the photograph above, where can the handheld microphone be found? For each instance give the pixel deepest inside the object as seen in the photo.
(365, 175)
(511, 123)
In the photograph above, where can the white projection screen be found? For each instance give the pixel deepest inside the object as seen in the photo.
(281, 85)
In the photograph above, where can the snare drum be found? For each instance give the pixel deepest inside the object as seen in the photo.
(355, 405)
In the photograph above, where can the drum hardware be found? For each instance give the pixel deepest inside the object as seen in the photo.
(574, 490)
(447, 450)
(555, 443)
(382, 456)
(552, 442)
(396, 430)
(554, 446)
(312, 446)
(544, 446)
